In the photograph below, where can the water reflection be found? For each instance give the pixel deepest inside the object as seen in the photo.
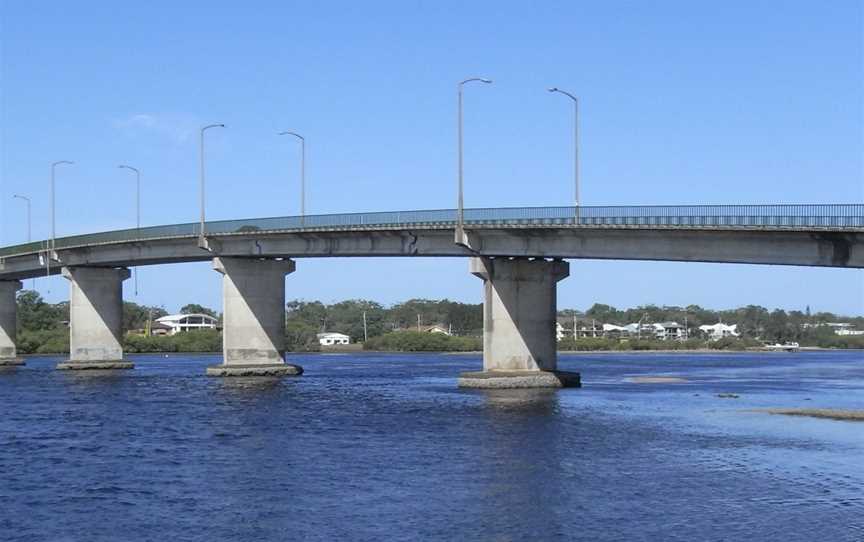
(247, 386)
(522, 445)
(534, 401)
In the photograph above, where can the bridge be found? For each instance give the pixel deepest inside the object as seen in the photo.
(519, 254)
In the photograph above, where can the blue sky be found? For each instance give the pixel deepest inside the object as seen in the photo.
(682, 102)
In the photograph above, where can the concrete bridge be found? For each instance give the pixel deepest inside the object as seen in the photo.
(518, 253)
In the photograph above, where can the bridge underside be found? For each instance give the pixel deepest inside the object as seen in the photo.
(803, 248)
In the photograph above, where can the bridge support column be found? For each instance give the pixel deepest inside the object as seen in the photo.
(519, 317)
(253, 327)
(95, 318)
(8, 323)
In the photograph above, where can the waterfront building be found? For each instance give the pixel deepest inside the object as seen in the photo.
(331, 339)
(178, 323)
(436, 328)
(719, 331)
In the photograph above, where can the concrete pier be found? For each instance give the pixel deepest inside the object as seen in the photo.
(8, 323)
(519, 316)
(253, 332)
(95, 318)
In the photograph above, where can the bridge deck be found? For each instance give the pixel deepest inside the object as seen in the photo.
(826, 235)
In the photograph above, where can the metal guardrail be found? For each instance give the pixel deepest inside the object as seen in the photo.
(817, 216)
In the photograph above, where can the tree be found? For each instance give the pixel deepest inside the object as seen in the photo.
(136, 316)
(35, 314)
(195, 308)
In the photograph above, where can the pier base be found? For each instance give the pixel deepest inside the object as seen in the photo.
(519, 379)
(94, 365)
(273, 369)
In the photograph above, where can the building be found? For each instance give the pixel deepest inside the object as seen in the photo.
(720, 331)
(435, 328)
(331, 339)
(843, 328)
(670, 331)
(178, 323)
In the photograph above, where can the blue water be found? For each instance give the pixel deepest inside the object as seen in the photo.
(385, 447)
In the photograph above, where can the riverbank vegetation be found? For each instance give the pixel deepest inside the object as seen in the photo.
(407, 326)
(414, 341)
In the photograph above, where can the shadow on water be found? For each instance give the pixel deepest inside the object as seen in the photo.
(250, 386)
(95, 378)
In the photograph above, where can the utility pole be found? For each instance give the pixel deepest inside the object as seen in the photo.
(365, 331)
(418, 322)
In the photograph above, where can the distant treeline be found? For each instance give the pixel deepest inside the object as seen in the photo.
(42, 327)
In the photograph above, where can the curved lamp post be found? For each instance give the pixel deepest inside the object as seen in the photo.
(302, 173)
(575, 140)
(53, 219)
(460, 217)
(137, 210)
(201, 241)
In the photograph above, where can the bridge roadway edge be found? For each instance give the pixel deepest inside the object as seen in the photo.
(818, 248)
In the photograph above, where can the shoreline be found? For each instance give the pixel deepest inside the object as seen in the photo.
(480, 352)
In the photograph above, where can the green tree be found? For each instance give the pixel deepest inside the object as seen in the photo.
(195, 308)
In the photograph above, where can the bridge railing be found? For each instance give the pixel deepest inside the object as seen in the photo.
(815, 216)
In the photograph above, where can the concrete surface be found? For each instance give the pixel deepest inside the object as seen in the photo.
(724, 245)
(8, 322)
(519, 312)
(519, 379)
(253, 326)
(95, 318)
(274, 369)
(94, 365)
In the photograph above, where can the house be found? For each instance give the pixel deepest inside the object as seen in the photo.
(588, 328)
(559, 331)
(435, 328)
(615, 331)
(670, 331)
(331, 339)
(178, 323)
(719, 331)
(843, 329)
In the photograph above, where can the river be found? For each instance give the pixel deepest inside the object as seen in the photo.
(385, 447)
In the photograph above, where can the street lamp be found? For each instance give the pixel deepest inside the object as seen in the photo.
(575, 140)
(460, 230)
(26, 200)
(53, 219)
(201, 241)
(137, 211)
(302, 173)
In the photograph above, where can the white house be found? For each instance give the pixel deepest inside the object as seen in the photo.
(435, 328)
(330, 339)
(844, 329)
(178, 323)
(720, 330)
(670, 331)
